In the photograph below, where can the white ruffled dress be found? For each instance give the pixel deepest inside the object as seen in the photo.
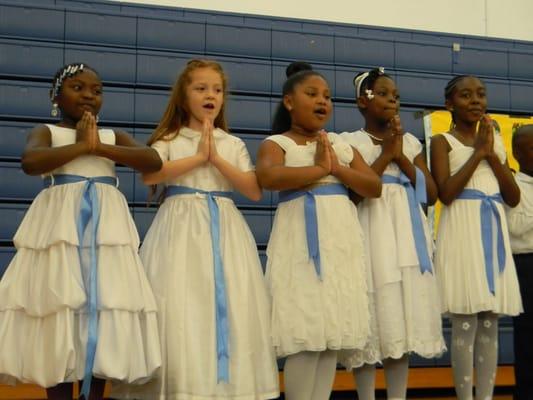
(312, 314)
(43, 314)
(405, 302)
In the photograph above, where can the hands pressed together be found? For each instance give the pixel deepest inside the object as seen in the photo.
(87, 132)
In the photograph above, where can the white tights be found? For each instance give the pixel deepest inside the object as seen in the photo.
(309, 375)
(474, 343)
(396, 371)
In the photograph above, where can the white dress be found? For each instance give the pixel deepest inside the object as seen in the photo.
(43, 317)
(459, 259)
(178, 257)
(404, 301)
(310, 314)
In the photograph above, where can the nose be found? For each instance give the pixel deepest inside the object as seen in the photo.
(88, 93)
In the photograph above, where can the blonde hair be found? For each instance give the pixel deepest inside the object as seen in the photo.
(177, 113)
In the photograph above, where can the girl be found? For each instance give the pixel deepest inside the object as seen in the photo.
(76, 288)
(474, 266)
(200, 255)
(315, 254)
(404, 299)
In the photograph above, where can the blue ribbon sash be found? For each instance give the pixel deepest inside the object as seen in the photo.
(488, 211)
(222, 324)
(415, 196)
(311, 223)
(89, 211)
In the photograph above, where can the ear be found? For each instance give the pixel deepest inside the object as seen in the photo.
(448, 105)
(362, 102)
(288, 102)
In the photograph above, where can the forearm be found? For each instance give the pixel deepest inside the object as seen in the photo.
(364, 184)
(172, 169)
(243, 182)
(455, 184)
(381, 163)
(142, 159)
(45, 159)
(508, 187)
(285, 178)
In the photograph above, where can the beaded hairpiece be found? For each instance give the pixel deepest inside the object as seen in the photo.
(67, 72)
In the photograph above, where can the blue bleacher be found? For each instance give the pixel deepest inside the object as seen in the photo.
(481, 62)
(11, 216)
(279, 76)
(43, 23)
(30, 59)
(420, 56)
(6, 255)
(100, 28)
(521, 96)
(312, 47)
(13, 138)
(238, 40)
(166, 34)
(364, 51)
(520, 63)
(113, 65)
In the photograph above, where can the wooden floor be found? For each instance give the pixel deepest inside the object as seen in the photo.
(425, 383)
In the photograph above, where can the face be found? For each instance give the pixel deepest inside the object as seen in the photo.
(523, 151)
(386, 101)
(468, 102)
(310, 103)
(205, 96)
(79, 93)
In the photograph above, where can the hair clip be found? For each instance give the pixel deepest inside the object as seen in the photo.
(369, 94)
(381, 70)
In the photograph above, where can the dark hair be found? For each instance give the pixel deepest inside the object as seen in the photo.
(521, 132)
(452, 84)
(67, 71)
(296, 73)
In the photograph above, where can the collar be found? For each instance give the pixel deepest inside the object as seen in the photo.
(191, 133)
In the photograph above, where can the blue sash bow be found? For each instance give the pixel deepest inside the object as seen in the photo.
(415, 196)
(222, 325)
(89, 210)
(311, 223)
(488, 210)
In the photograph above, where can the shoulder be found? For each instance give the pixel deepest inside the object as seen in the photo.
(354, 138)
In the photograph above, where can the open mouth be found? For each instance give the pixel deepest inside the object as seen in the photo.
(209, 106)
(321, 112)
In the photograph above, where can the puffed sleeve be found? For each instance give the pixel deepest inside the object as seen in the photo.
(411, 146)
(342, 148)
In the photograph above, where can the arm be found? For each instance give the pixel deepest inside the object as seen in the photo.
(359, 177)
(243, 181)
(272, 173)
(39, 157)
(508, 187)
(449, 187)
(128, 152)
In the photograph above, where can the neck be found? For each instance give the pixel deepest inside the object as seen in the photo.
(376, 127)
(67, 122)
(195, 125)
(299, 130)
(466, 128)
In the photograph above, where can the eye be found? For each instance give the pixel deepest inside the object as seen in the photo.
(218, 90)
(397, 97)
